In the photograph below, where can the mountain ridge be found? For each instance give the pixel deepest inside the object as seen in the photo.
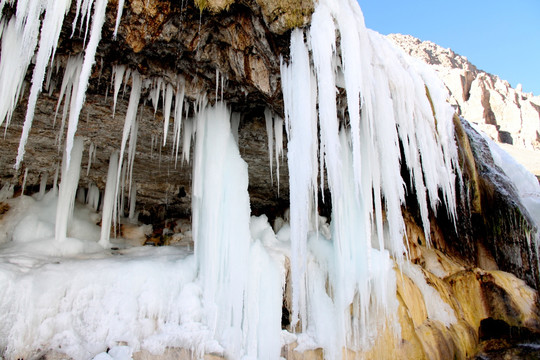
(506, 114)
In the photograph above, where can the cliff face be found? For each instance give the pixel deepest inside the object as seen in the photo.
(228, 51)
(507, 115)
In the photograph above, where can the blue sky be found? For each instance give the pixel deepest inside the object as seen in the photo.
(501, 37)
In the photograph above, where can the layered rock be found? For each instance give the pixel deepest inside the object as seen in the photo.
(507, 115)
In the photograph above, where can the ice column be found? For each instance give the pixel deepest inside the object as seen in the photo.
(68, 187)
(109, 200)
(221, 215)
(387, 113)
(301, 128)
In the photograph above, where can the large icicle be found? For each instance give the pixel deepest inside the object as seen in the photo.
(268, 117)
(118, 76)
(167, 103)
(278, 137)
(301, 126)
(68, 188)
(109, 201)
(50, 32)
(89, 58)
(387, 110)
(130, 128)
(178, 113)
(221, 214)
(323, 37)
(69, 86)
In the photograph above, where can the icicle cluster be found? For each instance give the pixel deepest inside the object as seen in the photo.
(39, 21)
(390, 101)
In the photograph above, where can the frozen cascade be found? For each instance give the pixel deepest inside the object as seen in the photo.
(50, 32)
(367, 224)
(302, 156)
(221, 302)
(21, 37)
(235, 311)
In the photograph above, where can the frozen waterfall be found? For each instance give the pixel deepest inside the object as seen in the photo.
(227, 297)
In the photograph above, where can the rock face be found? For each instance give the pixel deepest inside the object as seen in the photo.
(506, 114)
(230, 52)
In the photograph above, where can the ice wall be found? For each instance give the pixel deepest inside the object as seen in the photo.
(390, 101)
(241, 313)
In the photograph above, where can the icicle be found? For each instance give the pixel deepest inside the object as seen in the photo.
(24, 181)
(118, 17)
(69, 83)
(55, 182)
(278, 135)
(43, 185)
(120, 206)
(221, 216)
(50, 32)
(167, 103)
(297, 94)
(19, 40)
(217, 84)
(222, 88)
(91, 155)
(48, 83)
(109, 200)
(132, 201)
(322, 39)
(270, 135)
(68, 187)
(131, 151)
(178, 110)
(127, 75)
(129, 123)
(186, 140)
(118, 74)
(155, 92)
(89, 59)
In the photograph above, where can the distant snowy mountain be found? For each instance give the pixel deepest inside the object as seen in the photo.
(507, 115)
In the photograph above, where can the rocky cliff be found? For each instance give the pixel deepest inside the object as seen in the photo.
(507, 115)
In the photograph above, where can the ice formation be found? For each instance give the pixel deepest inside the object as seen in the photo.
(109, 200)
(68, 188)
(388, 103)
(227, 298)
